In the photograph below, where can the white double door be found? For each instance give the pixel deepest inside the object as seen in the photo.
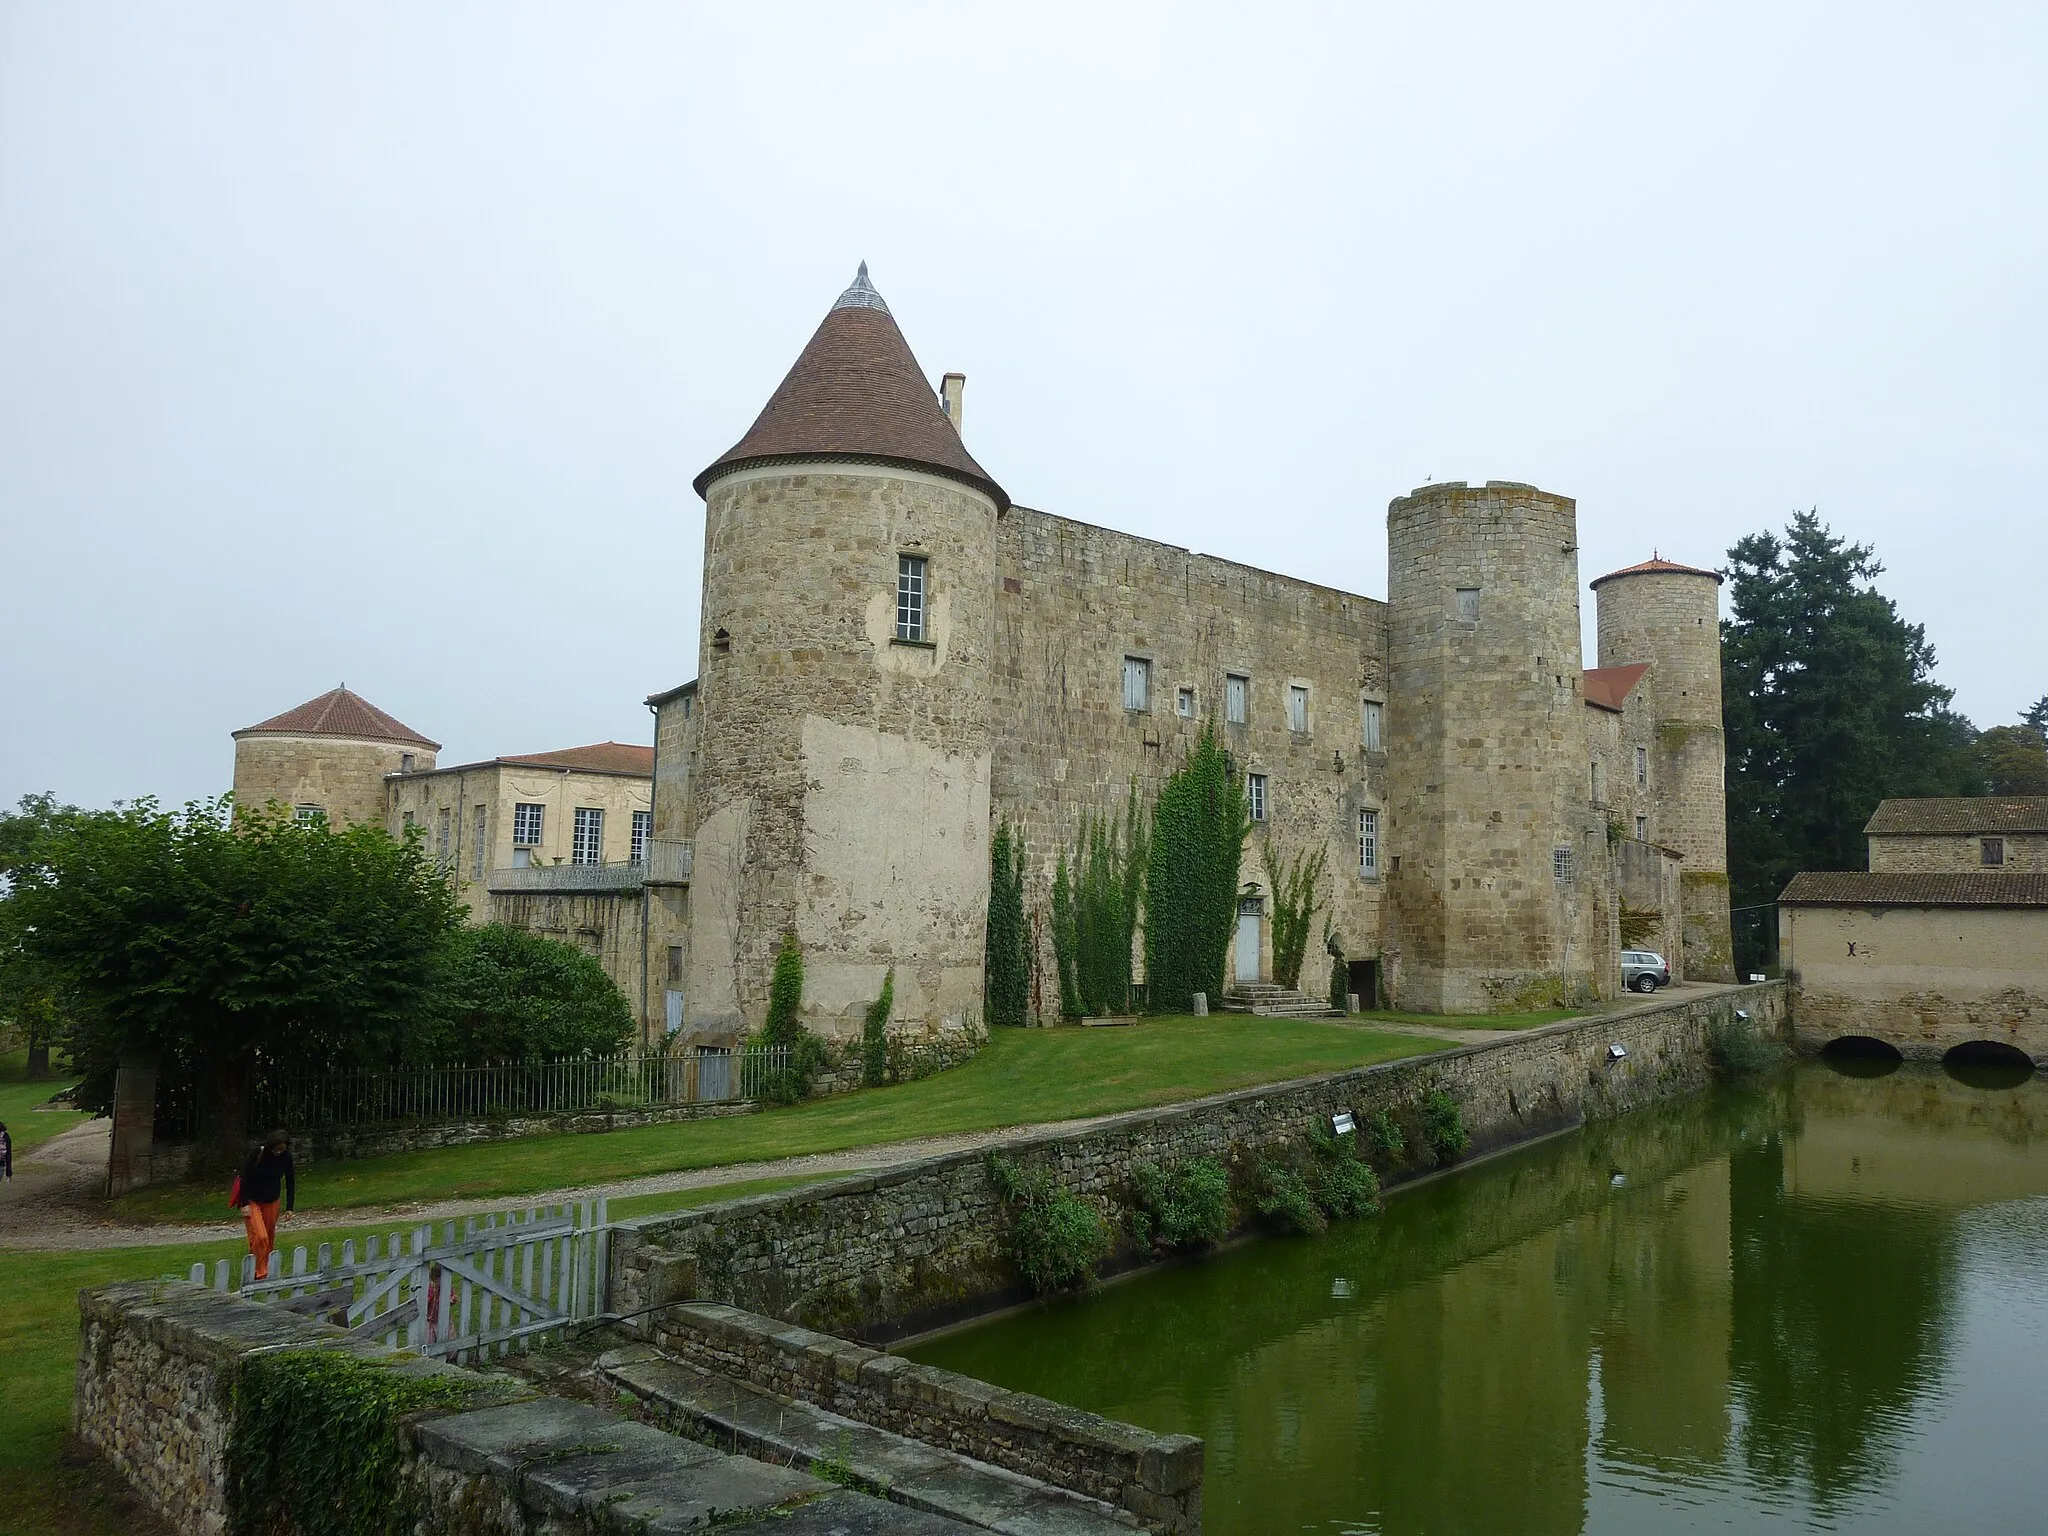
(1247, 964)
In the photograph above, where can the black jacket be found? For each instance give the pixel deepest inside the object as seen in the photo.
(263, 1176)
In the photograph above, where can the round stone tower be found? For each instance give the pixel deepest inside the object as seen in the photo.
(842, 787)
(1498, 894)
(1669, 616)
(330, 756)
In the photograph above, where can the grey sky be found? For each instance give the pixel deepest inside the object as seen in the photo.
(380, 343)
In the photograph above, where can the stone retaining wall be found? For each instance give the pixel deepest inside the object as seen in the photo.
(1156, 1478)
(157, 1367)
(883, 1255)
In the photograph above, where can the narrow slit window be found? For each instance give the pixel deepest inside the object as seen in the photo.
(1372, 724)
(1642, 829)
(910, 595)
(1642, 765)
(1236, 699)
(1297, 709)
(444, 838)
(1255, 795)
(1368, 842)
(478, 850)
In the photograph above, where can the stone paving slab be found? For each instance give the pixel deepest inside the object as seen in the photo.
(913, 1474)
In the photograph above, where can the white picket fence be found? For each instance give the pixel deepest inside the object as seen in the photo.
(479, 1290)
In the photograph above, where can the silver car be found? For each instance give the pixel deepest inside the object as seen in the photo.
(1644, 971)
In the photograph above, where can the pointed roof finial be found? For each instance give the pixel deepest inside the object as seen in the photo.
(862, 294)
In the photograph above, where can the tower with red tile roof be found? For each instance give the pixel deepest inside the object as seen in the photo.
(1666, 616)
(842, 784)
(327, 757)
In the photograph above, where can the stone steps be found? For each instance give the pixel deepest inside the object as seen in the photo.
(1267, 1001)
(926, 1479)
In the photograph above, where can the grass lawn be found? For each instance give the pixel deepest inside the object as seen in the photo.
(1021, 1077)
(1472, 1020)
(19, 1099)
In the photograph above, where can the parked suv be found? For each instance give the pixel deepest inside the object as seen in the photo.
(1643, 971)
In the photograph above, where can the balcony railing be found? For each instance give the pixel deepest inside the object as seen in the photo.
(668, 862)
(557, 879)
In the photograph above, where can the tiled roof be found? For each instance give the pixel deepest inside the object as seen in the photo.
(857, 394)
(600, 757)
(1656, 567)
(1977, 813)
(672, 693)
(1856, 888)
(1609, 687)
(341, 713)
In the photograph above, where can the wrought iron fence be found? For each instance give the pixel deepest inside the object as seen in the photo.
(634, 1080)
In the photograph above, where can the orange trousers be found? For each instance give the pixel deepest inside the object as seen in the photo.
(260, 1220)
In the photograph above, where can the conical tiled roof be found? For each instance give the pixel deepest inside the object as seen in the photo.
(340, 713)
(1656, 566)
(857, 395)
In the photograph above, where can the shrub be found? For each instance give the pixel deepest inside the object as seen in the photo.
(874, 1034)
(1443, 1126)
(790, 1084)
(1383, 1137)
(1340, 984)
(1343, 1186)
(1187, 1208)
(1007, 975)
(1283, 1198)
(503, 994)
(1740, 1049)
(1055, 1238)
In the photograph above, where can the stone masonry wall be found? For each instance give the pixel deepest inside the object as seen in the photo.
(157, 1367)
(344, 778)
(884, 1254)
(1958, 854)
(1156, 1478)
(1075, 600)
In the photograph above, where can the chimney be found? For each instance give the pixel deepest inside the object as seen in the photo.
(950, 392)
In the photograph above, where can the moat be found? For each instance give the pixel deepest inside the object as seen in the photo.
(1821, 1303)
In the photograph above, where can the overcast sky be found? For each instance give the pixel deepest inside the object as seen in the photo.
(379, 344)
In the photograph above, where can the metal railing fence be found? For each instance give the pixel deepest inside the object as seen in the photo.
(581, 1084)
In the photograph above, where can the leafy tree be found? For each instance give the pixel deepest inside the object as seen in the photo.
(1199, 826)
(503, 994)
(228, 952)
(2013, 760)
(1294, 907)
(1830, 706)
(1007, 983)
(32, 994)
(2036, 715)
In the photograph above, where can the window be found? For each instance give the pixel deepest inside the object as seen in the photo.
(1642, 765)
(1564, 864)
(405, 761)
(675, 965)
(526, 825)
(308, 813)
(1236, 699)
(444, 838)
(586, 846)
(1368, 843)
(479, 843)
(1372, 724)
(643, 828)
(1642, 829)
(1992, 852)
(405, 818)
(1137, 683)
(1184, 703)
(1468, 604)
(1297, 708)
(910, 591)
(1255, 795)
(1596, 782)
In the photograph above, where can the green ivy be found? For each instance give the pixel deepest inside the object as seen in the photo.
(314, 1446)
(1006, 986)
(1066, 941)
(785, 1028)
(1185, 1209)
(1199, 826)
(1055, 1238)
(874, 1034)
(1383, 1137)
(1109, 893)
(1294, 908)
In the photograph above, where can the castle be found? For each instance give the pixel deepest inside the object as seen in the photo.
(895, 657)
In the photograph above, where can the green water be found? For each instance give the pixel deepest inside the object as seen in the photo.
(1819, 1305)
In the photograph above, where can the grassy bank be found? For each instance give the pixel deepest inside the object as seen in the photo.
(1472, 1020)
(21, 1100)
(1022, 1077)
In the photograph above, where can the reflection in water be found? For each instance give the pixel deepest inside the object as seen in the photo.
(1770, 1320)
(1988, 1064)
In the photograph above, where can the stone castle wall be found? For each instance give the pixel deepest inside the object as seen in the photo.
(1957, 853)
(1074, 601)
(344, 777)
(842, 780)
(884, 1254)
(1500, 884)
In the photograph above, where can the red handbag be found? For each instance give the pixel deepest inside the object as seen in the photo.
(235, 1193)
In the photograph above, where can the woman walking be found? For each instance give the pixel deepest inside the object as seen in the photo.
(265, 1176)
(6, 1152)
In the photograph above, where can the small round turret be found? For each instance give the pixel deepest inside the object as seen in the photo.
(329, 756)
(1668, 615)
